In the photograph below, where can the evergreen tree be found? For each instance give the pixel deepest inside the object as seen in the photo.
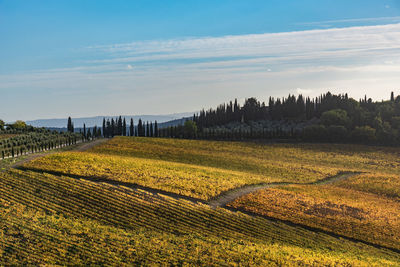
(69, 125)
(84, 130)
(140, 128)
(392, 97)
(156, 134)
(131, 128)
(112, 132)
(104, 127)
(151, 130)
(124, 127)
(119, 126)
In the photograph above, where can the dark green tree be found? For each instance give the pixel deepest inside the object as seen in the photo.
(131, 128)
(156, 134)
(124, 127)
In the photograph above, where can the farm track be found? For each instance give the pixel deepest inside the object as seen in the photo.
(80, 147)
(226, 197)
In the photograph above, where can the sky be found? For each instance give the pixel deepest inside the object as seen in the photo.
(84, 58)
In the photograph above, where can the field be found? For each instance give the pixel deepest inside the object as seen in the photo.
(347, 212)
(56, 220)
(201, 170)
(123, 202)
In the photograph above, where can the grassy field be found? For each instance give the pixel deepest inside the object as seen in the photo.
(58, 220)
(347, 212)
(192, 168)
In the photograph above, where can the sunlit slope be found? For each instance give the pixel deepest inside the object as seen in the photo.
(345, 211)
(60, 220)
(182, 166)
(257, 157)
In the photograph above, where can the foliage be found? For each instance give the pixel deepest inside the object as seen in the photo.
(50, 220)
(335, 117)
(190, 129)
(19, 125)
(374, 219)
(363, 134)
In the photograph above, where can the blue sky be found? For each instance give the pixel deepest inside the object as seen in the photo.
(154, 57)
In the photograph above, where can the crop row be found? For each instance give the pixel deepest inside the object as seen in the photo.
(355, 214)
(257, 158)
(34, 142)
(186, 179)
(133, 210)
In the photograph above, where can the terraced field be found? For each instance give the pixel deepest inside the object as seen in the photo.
(85, 207)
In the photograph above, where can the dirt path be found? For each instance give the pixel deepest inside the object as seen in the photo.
(89, 145)
(79, 147)
(223, 199)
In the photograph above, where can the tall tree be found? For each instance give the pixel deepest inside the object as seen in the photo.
(104, 127)
(151, 130)
(156, 129)
(84, 130)
(124, 127)
(131, 128)
(140, 128)
(112, 133)
(70, 127)
(119, 126)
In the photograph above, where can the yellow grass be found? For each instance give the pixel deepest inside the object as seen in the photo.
(50, 220)
(355, 214)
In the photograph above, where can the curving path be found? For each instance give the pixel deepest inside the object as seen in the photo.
(223, 199)
(81, 146)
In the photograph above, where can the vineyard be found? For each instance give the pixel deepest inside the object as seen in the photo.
(85, 208)
(55, 220)
(351, 213)
(12, 145)
(189, 172)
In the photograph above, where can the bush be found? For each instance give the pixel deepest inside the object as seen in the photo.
(315, 133)
(364, 134)
(337, 133)
(335, 117)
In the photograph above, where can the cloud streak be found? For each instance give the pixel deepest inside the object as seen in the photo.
(357, 60)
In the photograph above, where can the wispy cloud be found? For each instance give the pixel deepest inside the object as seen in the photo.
(358, 60)
(388, 20)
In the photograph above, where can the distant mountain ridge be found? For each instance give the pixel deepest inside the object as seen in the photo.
(98, 120)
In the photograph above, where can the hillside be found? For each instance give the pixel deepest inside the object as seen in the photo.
(147, 201)
(98, 120)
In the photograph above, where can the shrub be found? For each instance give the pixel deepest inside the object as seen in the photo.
(363, 134)
(335, 117)
(315, 133)
(337, 133)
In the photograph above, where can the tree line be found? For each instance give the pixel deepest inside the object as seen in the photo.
(326, 118)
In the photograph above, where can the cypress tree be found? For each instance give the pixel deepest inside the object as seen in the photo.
(69, 125)
(151, 130)
(131, 128)
(392, 97)
(140, 128)
(147, 129)
(112, 127)
(124, 127)
(119, 126)
(104, 127)
(156, 134)
(84, 130)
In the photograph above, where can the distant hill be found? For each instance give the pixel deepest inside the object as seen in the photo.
(172, 119)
